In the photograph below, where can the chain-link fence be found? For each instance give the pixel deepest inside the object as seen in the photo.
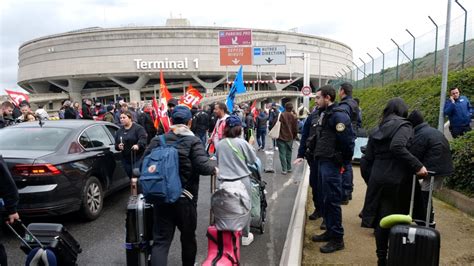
(398, 64)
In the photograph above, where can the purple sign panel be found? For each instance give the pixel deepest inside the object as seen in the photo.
(235, 37)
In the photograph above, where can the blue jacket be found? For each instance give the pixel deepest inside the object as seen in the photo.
(459, 112)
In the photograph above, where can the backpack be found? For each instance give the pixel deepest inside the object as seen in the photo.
(160, 180)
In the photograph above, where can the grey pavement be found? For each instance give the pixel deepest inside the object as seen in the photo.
(102, 240)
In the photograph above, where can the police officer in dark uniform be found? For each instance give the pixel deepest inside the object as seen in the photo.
(334, 145)
(352, 108)
(305, 150)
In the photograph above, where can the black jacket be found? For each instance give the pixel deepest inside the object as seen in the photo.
(146, 121)
(431, 147)
(193, 160)
(200, 122)
(391, 166)
(8, 190)
(134, 135)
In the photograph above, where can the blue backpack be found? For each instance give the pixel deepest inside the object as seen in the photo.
(160, 180)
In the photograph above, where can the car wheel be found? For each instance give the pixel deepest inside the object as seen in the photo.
(92, 199)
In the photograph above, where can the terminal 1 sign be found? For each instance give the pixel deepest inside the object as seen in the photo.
(166, 64)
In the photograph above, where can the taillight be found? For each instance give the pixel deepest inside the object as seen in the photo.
(35, 170)
(75, 148)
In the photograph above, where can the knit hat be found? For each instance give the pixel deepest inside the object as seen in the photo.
(181, 115)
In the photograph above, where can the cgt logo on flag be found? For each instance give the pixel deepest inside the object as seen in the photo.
(192, 97)
(17, 97)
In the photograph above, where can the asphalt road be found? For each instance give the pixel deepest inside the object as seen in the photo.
(102, 240)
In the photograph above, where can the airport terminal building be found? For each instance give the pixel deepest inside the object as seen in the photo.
(103, 63)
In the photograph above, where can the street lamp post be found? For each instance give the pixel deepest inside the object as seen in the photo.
(383, 65)
(436, 43)
(372, 69)
(465, 25)
(413, 57)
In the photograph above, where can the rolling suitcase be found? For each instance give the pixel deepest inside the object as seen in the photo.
(52, 237)
(223, 247)
(412, 244)
(269, 165)
(139, 229)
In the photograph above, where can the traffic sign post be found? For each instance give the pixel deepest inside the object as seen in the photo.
(235, 37)
(306, 90)
(269, 55)
(234, 56)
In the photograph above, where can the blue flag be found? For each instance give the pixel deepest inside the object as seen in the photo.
(237, 87)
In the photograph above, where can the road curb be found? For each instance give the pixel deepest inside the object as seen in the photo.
(456, 199)
(293, 249)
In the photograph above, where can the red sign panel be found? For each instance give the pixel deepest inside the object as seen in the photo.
(235, 37)
(235, 56)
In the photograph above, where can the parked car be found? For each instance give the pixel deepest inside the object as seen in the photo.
(63, 166)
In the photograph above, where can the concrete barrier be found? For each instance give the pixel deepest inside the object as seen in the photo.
(293, 249)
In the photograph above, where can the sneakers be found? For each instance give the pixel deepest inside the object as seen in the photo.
(289, 171)
(314, 216)
(247, 240)
(324, 237)
(284, 172)
(332, 246)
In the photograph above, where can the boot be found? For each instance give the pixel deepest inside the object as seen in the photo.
(314, 216)
(323, 225)
(324, 237)
(332, 246)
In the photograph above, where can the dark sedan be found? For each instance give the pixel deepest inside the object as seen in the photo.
(63, 166)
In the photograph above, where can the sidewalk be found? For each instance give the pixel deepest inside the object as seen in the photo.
(456, 228)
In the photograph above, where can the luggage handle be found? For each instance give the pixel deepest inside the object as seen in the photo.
(28, 231)
(412, 201)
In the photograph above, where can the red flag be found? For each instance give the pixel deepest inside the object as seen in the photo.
(156, 108)
(253, 110)
(17, 97)
(191, 97)
(165, 96)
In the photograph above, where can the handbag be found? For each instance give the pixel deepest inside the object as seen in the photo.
(275, 131)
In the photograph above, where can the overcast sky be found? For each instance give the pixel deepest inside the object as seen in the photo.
(363, 24)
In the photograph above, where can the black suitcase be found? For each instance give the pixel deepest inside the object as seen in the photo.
(412, 244)
(54, 237)
(139, 229)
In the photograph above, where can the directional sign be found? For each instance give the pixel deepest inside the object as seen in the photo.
(235, 37)
(306, 90)
(234, 56)
(269, 55)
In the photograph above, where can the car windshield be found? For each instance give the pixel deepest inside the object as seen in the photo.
(38, 139)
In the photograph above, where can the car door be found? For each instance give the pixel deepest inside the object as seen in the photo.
(120, 170)
(98, 146)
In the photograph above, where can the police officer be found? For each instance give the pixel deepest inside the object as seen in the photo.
(352, 108)
(334, 145)
(305, 150)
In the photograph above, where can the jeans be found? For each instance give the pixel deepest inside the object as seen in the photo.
(285, 148)
(459, 131)
(181, 214)
(261, 134)
(332, 196)
(203, 137)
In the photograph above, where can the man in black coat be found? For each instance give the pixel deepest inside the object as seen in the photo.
(431, 147)
(9, 194)
(193, 162)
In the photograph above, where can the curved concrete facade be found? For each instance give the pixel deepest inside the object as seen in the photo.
(98, 59)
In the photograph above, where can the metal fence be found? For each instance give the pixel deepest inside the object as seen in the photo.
(416, 58)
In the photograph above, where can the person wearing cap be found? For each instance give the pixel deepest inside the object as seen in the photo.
(233, 156)
(193, 162)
